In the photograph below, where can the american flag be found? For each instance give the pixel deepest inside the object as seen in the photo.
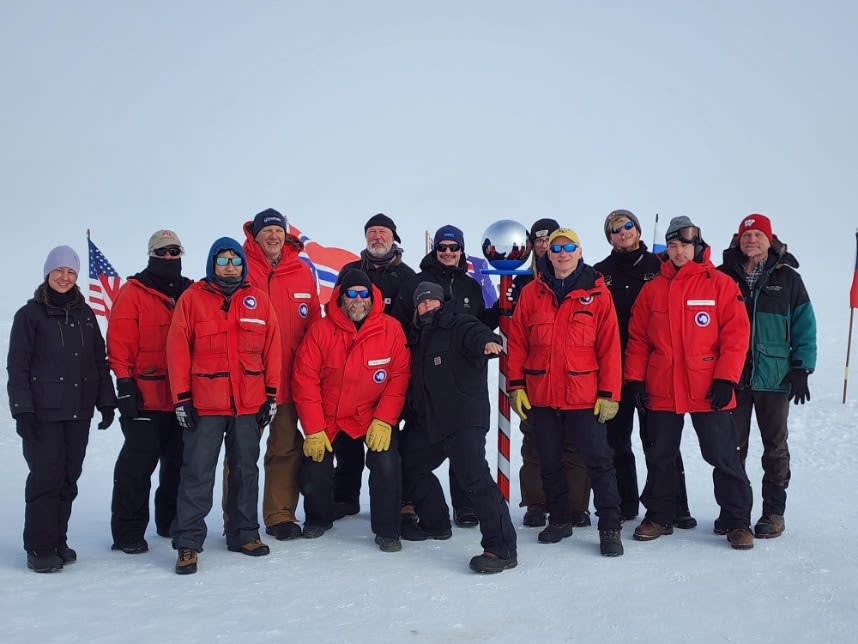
(324, 261)
(104, 282)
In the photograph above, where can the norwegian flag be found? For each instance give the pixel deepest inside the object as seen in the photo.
(104, 282)
(324, 261)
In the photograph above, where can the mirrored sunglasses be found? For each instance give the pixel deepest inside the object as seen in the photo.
(223, 261)
(626, 226)
(352, 294)
(571, 247)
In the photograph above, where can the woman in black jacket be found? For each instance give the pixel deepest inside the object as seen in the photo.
(57, 375)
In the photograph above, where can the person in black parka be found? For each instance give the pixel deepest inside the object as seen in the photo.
(447, 416)
(447, 265)
(629, 266)
(58, 375)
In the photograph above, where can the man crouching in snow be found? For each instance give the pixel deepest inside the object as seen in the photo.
(349, 381)
(447, 416)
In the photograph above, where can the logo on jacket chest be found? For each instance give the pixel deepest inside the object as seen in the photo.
(702, 319)
(249, 302)
(379, 376)
(587, 299)
(303, 309)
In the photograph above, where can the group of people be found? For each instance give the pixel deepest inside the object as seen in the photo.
(392, 376)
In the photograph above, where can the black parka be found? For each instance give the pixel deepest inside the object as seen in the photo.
(462, 293)
(389, 277)
(449, 390)
(625, 275)
(57, 364)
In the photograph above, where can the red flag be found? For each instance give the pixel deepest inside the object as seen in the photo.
(853, 292)
(104, 282)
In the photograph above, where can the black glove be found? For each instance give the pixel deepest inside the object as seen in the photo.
(266, 412)
(129, 398)
(636, 392)
(26, 426)
(720, 393)
(107, 414)
(797, 380)
(187, 415)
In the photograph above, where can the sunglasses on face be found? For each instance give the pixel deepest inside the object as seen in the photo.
(448, 248)
(569, 248)
(352, 294)
(172, 252)
(224, 261)
(626, 226)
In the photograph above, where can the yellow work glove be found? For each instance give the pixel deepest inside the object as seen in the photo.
(519, 402)
(378, 436)
(315, 446)
(605, 409)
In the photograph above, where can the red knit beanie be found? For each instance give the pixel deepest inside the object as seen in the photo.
(759, 222)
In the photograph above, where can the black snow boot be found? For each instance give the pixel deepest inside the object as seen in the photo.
(67, 554)
(44, 561)
(416, 532)
(610, 544)
(488, 563)
(555, 532)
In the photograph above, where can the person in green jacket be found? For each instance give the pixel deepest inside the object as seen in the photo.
(781, 355)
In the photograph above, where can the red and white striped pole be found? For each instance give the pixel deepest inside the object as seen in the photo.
(504, 431)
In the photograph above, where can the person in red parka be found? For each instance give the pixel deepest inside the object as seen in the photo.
(688, 337)
(137, 352)
(224, 361)
(273, 266)
(564, 360)
(349, 383)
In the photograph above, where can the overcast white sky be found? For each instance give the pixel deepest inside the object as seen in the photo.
(128, 117)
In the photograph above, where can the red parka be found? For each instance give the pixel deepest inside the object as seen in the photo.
(565, 354)
(688, 327)
(291, 287)
(225, 357)
(343, 377)
(137, 342)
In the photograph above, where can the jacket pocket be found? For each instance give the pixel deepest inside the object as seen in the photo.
(582, 377)
(252, 385)
(772, 366)
(582, 329)
(210, 338)
(700, 370)
(659, 376)
(48, 393)
(251, 337)
(210, 383)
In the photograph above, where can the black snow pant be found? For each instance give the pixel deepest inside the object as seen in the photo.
(55, 459)
(466, 450)
(681, 490)
(196, 481)
(553, 430)
(771, 409)
(718, 446)
(385, 484)
(152, 439)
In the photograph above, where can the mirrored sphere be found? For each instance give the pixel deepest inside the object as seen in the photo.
(505, 245)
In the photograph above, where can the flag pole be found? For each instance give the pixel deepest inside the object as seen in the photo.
(654, 230)
(848, 350)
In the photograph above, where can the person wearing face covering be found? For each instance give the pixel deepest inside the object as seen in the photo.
(137, 353)
(58, 376)
(447, 417)
(224, 362)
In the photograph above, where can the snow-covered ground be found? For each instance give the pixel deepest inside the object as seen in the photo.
(691, 585)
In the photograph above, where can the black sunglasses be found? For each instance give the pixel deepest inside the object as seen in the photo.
(172, 251)
(626, 226)
(452, 248)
